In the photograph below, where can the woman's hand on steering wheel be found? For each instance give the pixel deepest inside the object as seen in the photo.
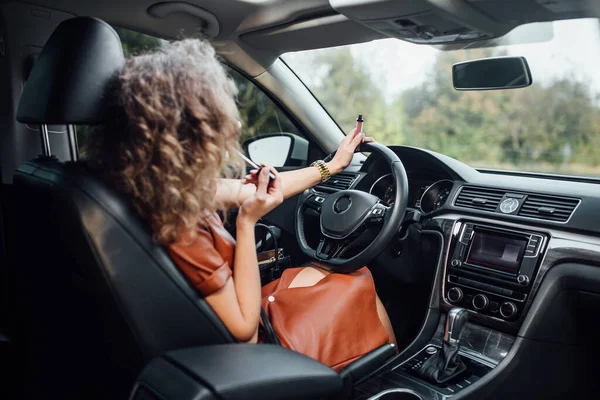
(344, 215)
(345, 152)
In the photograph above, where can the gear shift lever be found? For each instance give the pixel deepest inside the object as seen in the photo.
(455, 323)
(446, 364)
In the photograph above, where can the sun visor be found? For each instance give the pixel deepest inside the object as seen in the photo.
(423, 21)
(327, 31)
(455, 23)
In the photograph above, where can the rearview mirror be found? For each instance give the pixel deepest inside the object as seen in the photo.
(492, 74)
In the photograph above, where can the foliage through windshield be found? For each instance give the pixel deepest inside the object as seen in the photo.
(405, 92)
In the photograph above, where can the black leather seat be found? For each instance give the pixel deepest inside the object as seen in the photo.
(98, 298)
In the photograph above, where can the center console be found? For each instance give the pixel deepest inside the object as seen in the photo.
(490, 270)
(490, 275)
(478, 349)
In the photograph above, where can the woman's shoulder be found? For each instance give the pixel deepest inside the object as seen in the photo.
(205, 255)
(209, 235)
(208, 228)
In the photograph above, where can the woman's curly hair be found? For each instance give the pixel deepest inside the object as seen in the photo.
(172, 123)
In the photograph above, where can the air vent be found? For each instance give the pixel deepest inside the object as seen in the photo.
(341, 181)
(479, 198)
(549, 208)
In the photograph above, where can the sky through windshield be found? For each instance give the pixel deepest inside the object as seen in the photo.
(405, 92)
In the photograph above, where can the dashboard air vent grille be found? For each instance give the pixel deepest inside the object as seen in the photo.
(341, 181)
(549, 208)
(479, 198)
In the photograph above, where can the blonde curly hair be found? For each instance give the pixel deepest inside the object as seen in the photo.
(172, 123)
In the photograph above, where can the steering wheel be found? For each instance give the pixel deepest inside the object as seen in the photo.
(346, 214)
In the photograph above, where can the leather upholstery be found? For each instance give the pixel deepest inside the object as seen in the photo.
(67, 82)
(105, 299)
(98, 299)
(362, 368)
(247, 371)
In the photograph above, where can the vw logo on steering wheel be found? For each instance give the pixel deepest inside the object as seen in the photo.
(342, 204)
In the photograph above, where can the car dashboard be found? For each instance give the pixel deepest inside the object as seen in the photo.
(520, 225)
(429, 185)
(519, 251)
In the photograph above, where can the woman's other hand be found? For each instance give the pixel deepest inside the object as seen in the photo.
(266, 197)
(345, 151)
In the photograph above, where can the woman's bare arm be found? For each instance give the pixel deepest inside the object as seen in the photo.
(238, 303)
(233, 192)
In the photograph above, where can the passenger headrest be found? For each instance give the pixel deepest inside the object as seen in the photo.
(69, 78)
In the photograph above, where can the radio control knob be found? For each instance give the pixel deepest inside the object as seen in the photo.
(508, 310)
(480, 302)
(456, 263)
(523, 280)
(455, 295)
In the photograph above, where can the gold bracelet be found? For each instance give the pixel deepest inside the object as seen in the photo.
(323, 170)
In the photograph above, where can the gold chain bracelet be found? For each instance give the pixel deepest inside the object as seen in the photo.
(323, 170)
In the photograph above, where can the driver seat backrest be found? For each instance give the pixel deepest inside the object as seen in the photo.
(98, 299)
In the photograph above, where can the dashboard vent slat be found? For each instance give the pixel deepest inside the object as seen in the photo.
(341, 181)
(479, 198)
(548, 208)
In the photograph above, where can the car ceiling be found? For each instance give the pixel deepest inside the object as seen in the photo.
(261, 30)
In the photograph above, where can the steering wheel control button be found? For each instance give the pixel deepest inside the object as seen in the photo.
(523, 280)
(342, 205)
(508, 310)
(456, 263)
(378, 211)
(319, 199)
(480, 302)
(455, 295)
(431, 350)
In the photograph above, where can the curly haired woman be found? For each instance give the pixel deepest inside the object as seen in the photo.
(173, 125)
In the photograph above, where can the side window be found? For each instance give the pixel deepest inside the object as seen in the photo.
(268, 135)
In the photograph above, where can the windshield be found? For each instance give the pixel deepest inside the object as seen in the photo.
(405, 92)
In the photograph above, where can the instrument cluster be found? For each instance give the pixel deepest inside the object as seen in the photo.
(424, 196)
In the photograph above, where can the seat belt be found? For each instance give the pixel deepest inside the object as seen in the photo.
(270, 335)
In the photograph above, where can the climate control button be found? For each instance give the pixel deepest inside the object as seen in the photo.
(455, 295)
(523, 280)
(508, 310)
(480, 302)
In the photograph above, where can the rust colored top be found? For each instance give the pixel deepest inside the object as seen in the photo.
(206, 262)
(334, 321)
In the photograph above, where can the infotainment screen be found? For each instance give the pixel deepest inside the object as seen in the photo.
(495, 250)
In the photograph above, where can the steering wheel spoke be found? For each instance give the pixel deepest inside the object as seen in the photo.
(315, 201)
(329, 248)
(377, 214)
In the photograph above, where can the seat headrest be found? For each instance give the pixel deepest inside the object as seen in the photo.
(69, 78)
